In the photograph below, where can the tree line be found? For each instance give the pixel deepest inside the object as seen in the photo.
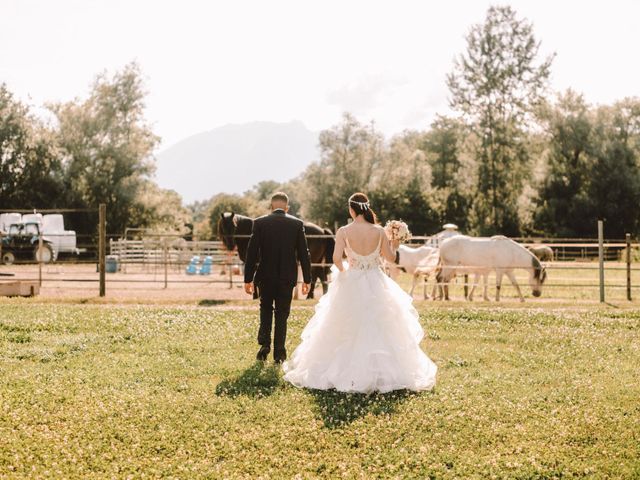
(514, 158)
(95, 150)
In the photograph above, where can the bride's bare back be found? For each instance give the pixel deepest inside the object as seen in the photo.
(364, 238)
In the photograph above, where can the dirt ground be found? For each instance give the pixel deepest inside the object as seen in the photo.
(146, 284)
(134, 283)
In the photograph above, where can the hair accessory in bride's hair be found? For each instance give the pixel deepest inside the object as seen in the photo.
(362, 205)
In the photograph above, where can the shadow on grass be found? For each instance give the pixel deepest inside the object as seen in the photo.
(210, 302)
(338, 409)
(259, 380)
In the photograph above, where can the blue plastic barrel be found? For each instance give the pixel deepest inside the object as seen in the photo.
(111, 264)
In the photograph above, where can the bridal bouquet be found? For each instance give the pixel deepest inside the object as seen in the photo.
(397, 230)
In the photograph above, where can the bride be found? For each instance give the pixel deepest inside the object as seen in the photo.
(365, 335)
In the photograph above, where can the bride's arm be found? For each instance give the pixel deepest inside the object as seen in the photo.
(338, 250)
(388, 247)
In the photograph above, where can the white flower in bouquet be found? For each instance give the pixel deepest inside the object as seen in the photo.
(397, 230)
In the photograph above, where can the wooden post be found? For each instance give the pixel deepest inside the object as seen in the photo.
(628, 239)
(601, 258)
(165, 261)
(102, 244)
(40, 255)
(466, 286)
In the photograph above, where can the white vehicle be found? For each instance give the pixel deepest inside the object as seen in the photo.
(8, 219)
(51, 225)
(64, 241)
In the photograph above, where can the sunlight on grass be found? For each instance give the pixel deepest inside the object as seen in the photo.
(100, 391)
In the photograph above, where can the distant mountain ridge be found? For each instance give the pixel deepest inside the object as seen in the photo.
(234, 157)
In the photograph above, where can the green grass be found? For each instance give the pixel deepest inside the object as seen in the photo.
(94, 391)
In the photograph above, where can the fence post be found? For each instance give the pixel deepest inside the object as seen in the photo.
(466, 286)
(165, 261)
(40, 255)
(102, 240)
(628, 240)
(601, 258)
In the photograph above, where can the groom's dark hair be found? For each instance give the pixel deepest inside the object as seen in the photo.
(280, 197)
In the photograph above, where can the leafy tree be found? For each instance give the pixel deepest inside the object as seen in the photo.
(401, 185)
(441, 144)
(161, 210)
(107, 148)
(563, 195)
(451, 189)
(613, 191)
(349, 155)
(30, 170)
(259, 197)
(496, 85)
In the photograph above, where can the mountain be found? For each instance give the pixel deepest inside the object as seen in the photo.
(233, 158)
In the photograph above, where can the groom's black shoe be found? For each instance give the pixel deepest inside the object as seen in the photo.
(263, 353)
(280, 356)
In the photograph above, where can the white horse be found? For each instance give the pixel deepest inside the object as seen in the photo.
(424, 269)
(408, 259)
(497, 253)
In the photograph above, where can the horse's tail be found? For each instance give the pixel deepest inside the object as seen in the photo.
(330, 245)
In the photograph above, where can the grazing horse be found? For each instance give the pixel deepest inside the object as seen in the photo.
(408, 259)
(424, 269)
(544, 253)
(234, 231)
(497, 253)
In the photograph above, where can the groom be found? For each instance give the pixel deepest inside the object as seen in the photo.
(277, 242)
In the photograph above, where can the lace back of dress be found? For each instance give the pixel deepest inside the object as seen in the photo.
(364, 262)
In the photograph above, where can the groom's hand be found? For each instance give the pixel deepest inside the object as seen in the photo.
(248, 287)
(305, 288)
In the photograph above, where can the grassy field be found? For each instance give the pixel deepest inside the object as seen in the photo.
(173, 391)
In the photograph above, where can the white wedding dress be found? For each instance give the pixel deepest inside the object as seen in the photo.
(364, 337)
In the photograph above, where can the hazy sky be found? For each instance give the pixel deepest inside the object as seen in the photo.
(208, 63)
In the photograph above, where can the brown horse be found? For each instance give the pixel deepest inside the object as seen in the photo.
(234, 230)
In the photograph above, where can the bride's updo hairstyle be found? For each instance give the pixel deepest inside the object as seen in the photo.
(360, 204)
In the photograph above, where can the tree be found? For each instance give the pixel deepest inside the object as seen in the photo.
(441, 144)
(161, 210)
(451, 189)
(613, 191)
(349, 155)
(593, 168)
(562, 197)
(401, 185)
(108, 147)
(30, 169)
(496, 85)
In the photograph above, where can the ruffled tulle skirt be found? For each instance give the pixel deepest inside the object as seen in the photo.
(364, 337)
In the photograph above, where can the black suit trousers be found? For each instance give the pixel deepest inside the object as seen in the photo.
(275, 300)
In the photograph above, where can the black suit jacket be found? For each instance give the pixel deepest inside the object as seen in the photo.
(277, 242)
